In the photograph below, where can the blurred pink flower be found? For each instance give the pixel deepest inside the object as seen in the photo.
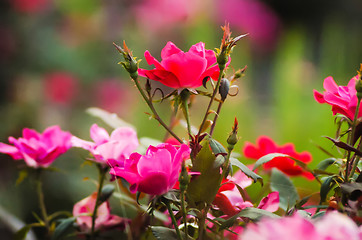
(160, 15)
(29, 6)
(182, 70)
(38, 149)
(61, 87)
(106, 148)
(83, 211)
(332, 226)
(253, 17)
(266, 145)
(343, 99)
(154, 173)
(110, 95)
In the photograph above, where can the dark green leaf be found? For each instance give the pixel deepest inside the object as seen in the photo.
(246, 170)
(345, 146)
(216, 147)
(323, 165)
(267, 158)
(204, 187)
(21, 234)
(254, 214)
(172, 195)
(163, 233)
(106, 192)
(304, 200)
(63, 227)
(326, 186)
(287, 193)
(354, 190)
(319, 214)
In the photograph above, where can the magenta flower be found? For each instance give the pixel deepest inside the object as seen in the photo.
(154, 173)
(343, 99)
(107, 149)
(38, 149)
(333, 226)
(83, 211)
(180, 69)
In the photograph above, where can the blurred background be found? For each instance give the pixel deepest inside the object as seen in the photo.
(57, 60)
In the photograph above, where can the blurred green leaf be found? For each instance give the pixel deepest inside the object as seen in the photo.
(326, 186)
(22, 175)
(324, 164)
(63, 227)
(267, 158)
(164, 233)
(246, 170)
(287, 193)
(21, 234)
(111, 119)
(78, 6)
(254, 214)
(106, 192)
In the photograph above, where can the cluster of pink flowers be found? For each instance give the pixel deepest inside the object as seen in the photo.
(333, 226)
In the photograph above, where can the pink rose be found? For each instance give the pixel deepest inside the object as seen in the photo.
(61, 87)
(38, 149)
(332, 226)
(109, 148)
(343, 99)
(180, 69)
(154, 173)
(83, 211)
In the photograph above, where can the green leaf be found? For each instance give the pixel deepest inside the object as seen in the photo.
(254, 214)
(326, 186)
(323, 165)
(63, 227)
(267, 158)
(216, 147)
(106, 192)
(22, 175)
(204, 187)
(219, 161)
(246, 170)
(287, 193)
(163, 233)
(21, 234)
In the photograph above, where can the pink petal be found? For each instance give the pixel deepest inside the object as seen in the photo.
(153, 61)
(77, 142)
(11, 150)
(318, 96)
(270, 203)
(169, 50)
(330, 85)
(187, 67)
(165, 77)
(160, 162)
(155, 184)
(30, 133)
(98, 134)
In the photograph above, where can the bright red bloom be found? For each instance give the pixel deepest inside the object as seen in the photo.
(343, 99)
(266, 145)
(180, 69)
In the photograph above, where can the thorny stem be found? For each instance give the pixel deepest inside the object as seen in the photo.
(173, 219)
(39, 190)
(102, 175)
(155, 114)
(346, 178)
(356, 160)
(185, 96)
(221, 67)
(215, 118)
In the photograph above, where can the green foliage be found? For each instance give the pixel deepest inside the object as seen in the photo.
(63, 228)
(204, 187)
(246, 170)
(281, 183)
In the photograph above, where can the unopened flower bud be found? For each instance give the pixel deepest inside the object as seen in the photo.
(233, 138)
(359, 84)
(130, 63)
(184, 178)
(224, 88)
